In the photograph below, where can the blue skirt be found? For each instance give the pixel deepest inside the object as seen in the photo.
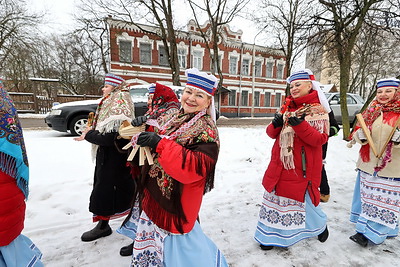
(21, 252)
(375, 232)
(192, 249)
(315, 224)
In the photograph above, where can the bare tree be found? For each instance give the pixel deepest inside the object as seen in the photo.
(16, 26)
(288, 23)
(158, 13)
(218, 13)
(341, 22)
(79, 63)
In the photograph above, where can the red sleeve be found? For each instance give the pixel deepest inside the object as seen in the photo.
(310, 135)
(171, 158)
(272, 131)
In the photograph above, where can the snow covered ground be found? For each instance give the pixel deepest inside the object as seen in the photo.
(61, 180)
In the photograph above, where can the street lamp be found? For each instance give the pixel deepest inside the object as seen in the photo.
(254, 70)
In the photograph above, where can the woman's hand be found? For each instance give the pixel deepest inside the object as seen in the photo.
(278, 120)
(149, 139)
(294, 121)
(138, 121)
(82, 136)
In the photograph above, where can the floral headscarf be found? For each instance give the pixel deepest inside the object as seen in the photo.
(113, 109)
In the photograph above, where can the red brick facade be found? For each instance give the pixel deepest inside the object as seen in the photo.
(131, 59)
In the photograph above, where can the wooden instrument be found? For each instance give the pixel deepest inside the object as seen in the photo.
(90, 119)
(389, 137)
(126, 131)
(367, 133)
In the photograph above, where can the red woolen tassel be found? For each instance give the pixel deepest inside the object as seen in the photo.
(364, 153)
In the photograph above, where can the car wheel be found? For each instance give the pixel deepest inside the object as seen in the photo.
(78, 124)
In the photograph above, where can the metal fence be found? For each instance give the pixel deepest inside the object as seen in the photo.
(31, 103)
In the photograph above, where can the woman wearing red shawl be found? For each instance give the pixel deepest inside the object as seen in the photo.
(376, 199)
(170, 191)
(16, 250)
(162, 100)
(290, 210)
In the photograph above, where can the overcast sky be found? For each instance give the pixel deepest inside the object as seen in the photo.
(60, 18)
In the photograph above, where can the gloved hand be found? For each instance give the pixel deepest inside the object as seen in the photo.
(149, 139)
(396, 136)
(278, 120)
(361, 135)
(138, 121)
(333, 131)
(294, 121)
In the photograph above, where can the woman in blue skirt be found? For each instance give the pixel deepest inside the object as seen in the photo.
(165, 221)
(16, 250)
(290, 209)
(376, 198)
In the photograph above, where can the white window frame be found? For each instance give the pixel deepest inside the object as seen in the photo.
(124, 37)
(241, 98)
(280, 64)
(234, 54)
(270, 96)
(267, 62)
(145, 40)
(197, 57)
(182, 57)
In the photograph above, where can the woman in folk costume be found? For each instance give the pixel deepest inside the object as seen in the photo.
(16, 250)
(163, 101)
(290, 209)
(186, 146)
(376, 199)
(113, 185)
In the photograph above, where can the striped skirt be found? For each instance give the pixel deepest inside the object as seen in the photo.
(156, 247)
(375, 207)
(284, 222)
(21, 252)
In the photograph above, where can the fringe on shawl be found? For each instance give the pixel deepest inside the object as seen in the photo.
(8, 165)
(286, 144)
(320, 122)
(162, 217)
(203, 163)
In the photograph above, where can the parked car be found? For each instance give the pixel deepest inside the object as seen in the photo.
(354, 104)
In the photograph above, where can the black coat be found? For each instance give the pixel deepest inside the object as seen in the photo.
(334, 128)
(113, 185)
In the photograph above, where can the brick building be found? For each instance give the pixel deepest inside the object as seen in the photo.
(140, 58)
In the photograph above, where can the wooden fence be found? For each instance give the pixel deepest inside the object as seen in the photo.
(31, 103)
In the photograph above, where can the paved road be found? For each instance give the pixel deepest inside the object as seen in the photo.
(38, 123)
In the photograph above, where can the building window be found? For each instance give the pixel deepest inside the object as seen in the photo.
(257, 69)
(267, 99)
(233, 65)
(232, 98)
(145, 54)
(256, 99)
(245, 98)
(279, 71)
(162, 56)
(198, 60)
(278, 97)
(245, 66)
(125, 51)
(270, 70)
(182, 58)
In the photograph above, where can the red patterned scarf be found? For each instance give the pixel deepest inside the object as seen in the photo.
(315, 115)
(370, 114)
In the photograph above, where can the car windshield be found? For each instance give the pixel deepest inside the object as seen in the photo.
(139, 94)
